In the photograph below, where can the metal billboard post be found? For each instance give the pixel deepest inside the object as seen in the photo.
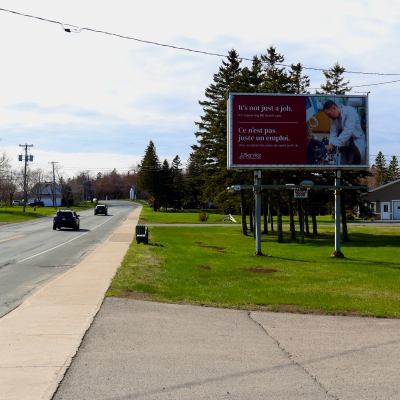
(337, 253)
(257, 192)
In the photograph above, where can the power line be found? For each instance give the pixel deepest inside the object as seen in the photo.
(375, 84)
(74, 29)
(371, 84)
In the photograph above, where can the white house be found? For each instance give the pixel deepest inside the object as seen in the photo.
(44, 192)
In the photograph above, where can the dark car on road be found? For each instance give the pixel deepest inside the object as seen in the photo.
(66, 219)
(101, 209)
(36, 203)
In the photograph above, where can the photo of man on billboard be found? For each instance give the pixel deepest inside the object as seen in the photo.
(336, 130)
(346, 133)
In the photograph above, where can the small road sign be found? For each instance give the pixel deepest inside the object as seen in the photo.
(301, 194)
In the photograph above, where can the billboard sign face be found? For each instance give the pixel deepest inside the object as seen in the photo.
(288, 131)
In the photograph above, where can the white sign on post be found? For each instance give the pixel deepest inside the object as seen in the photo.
(301, 194)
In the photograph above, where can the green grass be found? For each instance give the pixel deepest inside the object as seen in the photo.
(181, 216)
(192, 217)
(207, 266)
(16, 213)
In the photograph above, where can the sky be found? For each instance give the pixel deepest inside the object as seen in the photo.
(92, 101)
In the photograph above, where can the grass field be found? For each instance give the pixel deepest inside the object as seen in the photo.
(214, 266)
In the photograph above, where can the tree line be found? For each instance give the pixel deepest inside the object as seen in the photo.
(384, 172)
(84, 186)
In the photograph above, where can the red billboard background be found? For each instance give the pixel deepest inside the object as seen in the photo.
(268, 130)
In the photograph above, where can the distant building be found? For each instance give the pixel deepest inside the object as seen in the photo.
(44, 192)
(385, 201)
(132, 193)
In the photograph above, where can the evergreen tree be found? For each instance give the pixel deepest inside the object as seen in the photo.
(210, 151)
(334, 81)
(148, 175)
(393, 169)
(299, 82)
(194, 181)
(165, 188)
(276, 79)
(178, 183)
(250, 80)
(381, 173)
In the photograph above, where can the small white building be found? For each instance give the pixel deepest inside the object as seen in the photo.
(385, 201)
(44, 193)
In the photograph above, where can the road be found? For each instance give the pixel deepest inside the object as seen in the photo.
(32, 254)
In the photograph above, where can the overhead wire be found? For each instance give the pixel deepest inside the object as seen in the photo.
(75, 29)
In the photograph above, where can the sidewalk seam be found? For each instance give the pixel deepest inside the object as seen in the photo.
(290, 357)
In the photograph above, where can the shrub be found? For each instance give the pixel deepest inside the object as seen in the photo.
(203, 216)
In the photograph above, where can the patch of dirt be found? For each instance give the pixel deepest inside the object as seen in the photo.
(260, 270)
(143, 219)
(203, 267)
(218, 249)
(291, 308)
(138, 296)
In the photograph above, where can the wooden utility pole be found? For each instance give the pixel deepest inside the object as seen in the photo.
(26, 163)
(54, 185)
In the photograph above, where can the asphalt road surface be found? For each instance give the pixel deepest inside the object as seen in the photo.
(32, 254)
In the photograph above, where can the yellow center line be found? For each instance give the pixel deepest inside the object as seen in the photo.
(11, 238)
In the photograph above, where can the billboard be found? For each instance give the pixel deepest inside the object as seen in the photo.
(289, 131)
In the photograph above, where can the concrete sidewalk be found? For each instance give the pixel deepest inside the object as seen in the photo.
(144, 350)
(40, 337)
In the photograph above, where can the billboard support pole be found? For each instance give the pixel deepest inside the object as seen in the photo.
(257, 190)
(302, 222)
(337, 253)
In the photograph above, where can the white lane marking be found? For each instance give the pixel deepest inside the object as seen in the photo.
(62, 244)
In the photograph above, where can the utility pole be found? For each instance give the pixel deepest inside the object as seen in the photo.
(83, 189)
(54, 184)
(26, 163)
